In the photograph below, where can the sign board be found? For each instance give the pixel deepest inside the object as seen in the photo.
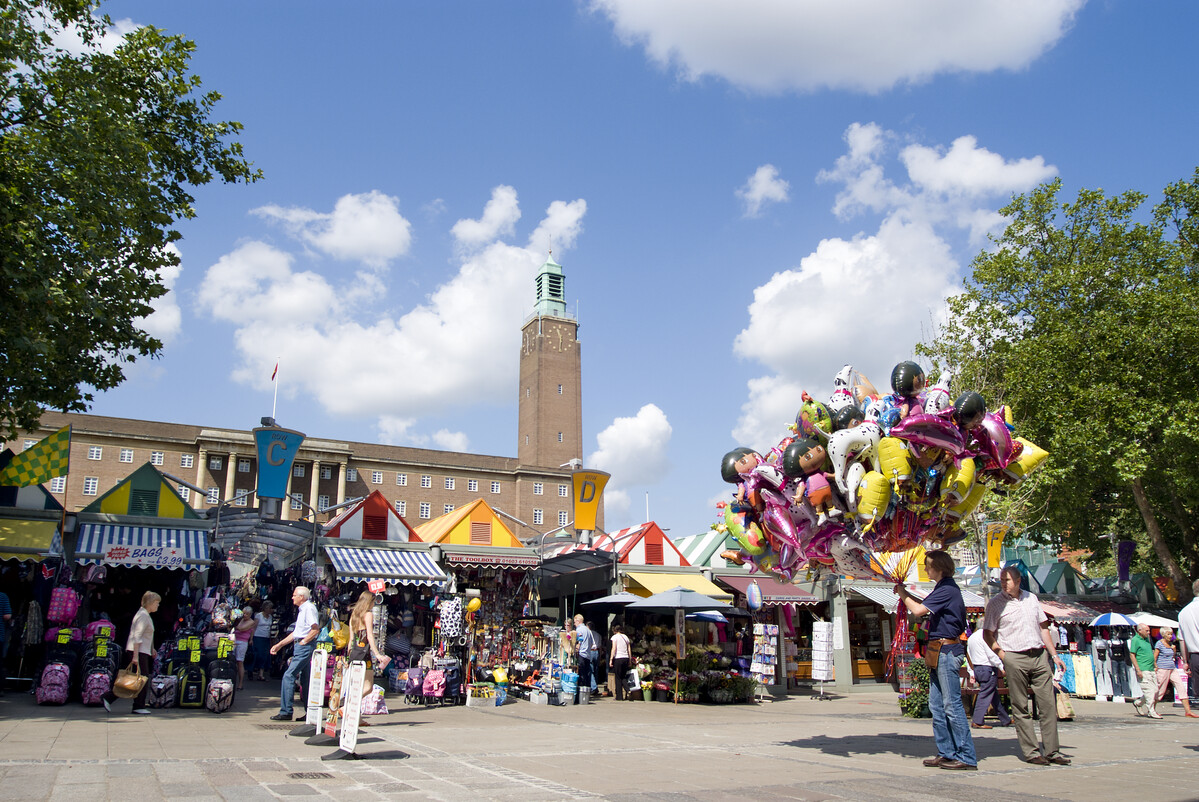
(838, 637)
(145, 556)
(356, 678)
(680, 633)
(376, 585)
(316, 686)
(277, 449)
(335, 698)
(822, 651)
(588, 489)
(224, 647)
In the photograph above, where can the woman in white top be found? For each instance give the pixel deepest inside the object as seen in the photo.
(619, 658)
(140, 647)
(262, 639)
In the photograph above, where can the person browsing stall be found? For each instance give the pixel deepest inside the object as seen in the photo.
(1017, 629)
(988, 669)
(944, 656)
(303, 635)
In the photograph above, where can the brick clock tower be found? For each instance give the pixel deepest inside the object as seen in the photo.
(550, 424)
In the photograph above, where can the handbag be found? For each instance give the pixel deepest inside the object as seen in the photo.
(130, 681)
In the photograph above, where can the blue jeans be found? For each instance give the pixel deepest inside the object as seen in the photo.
(301, 662)
(950, 727)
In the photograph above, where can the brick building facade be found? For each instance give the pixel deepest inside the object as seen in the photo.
(420, 483)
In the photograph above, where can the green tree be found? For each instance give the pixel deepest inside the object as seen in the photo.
(98, 149)
(1084, 318)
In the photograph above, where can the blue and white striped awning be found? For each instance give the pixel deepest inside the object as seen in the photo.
(392, 565)
(142, 546)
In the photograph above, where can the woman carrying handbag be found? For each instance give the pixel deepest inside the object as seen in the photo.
(139, 653)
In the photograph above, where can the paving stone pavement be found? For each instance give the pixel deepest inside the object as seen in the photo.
(854, 747)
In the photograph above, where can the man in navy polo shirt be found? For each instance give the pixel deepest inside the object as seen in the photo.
(946, 624)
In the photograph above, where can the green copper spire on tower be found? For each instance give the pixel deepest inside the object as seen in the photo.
(551, 289)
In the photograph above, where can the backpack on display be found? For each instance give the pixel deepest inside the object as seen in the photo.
(95, 685)
(55, 684)
(102, 628)
(164, 691)
(70, 633)
(219, 696)
(191, 686)
(64, 606)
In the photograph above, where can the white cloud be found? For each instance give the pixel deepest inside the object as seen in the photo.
(866, 45)
(499, 219)
(868, 299)
(166, 321)
(634, 450)
(764, 186)
(70, 40)
(367, 228)
(457, 343)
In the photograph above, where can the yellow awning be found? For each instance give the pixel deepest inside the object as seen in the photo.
(652, 583)
(26, 540)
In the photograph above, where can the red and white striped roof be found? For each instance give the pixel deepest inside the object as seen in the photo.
(644, 544)
(353, 524)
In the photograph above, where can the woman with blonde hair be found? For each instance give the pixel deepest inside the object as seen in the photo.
(139, 648)
(1165, 659)
(362, 635)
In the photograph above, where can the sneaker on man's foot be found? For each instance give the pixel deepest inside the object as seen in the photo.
(141, 712)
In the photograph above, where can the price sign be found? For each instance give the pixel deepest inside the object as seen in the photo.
(102, 647)
(105, 632)
(64, 636)
(193, 642)
(184, 644)
(195, 655)
(223, 647)
(376, 585)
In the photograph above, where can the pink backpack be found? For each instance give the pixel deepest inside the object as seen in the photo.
(95, 686)
(434, 684)
(64, 606)
(52, 634)
(56, 680)
(99, 628)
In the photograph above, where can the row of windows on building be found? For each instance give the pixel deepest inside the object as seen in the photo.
(244, 465)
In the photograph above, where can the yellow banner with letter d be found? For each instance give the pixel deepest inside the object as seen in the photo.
(588, 490)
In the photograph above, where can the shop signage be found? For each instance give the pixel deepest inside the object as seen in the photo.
(492, 559)
(316, 686)
(588, 490)
(376, 585)
(356, 677)
(146, 556)
(277, 448)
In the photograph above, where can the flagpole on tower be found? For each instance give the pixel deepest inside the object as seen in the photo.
(275, 381)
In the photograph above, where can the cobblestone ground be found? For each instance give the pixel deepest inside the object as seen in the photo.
(856, 747)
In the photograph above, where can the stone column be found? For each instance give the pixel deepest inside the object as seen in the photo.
(843, 657)
(341, 482)
(230, 476)
(201, 466)
(315, 485)
(285, 511)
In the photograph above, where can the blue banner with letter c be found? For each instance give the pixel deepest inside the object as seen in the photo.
(277, 448)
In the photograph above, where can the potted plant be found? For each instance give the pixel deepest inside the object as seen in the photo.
(914, 703)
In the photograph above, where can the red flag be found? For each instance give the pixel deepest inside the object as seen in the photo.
(275, 372)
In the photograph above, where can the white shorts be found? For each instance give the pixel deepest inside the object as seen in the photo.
(239, 650)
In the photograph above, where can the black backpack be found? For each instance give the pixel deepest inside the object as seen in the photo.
(222, 669)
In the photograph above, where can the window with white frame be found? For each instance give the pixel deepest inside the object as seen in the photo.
(297, 471)
(563, 490)
(241, 500)
(426, 509)
(559, 389)
(322, 502)
(215, 463)
(185, 493)
(449, 508)
(559, 437)
(538, 488)
(95, 452)
(326, 472)
(243, 464)
(401, 507)
(449, 483)
(351, 474)
(156, 458)
(401, 480)
(296, 498)
(214, 495)
(90, 485)
(472, 485)
(495, 487)
(126, 455)
(58, 484)
(187, 460)
(538, 517)
(426, 480)
(562, 518)
(29, 444)
(376, 477)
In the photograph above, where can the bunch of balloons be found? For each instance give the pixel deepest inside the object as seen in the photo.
(868, 473)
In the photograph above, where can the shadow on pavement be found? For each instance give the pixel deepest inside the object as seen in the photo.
(894, 743)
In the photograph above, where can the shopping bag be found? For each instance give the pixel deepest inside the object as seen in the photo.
(632, 680)
(1065, 710)
(130, 681)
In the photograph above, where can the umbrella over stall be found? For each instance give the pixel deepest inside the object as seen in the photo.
(678, 598)
(1113, 620)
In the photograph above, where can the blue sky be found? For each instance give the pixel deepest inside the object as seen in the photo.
(745, 196)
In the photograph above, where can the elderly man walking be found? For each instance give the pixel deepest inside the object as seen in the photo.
(303, 635)
(1142, 660)
(1017, 629)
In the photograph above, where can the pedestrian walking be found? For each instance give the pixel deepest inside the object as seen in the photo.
(303, 635)
(1167, 658)
(1188, 633)
(139, 648)
(944, 656)
(1017, 629)
(988, 669)
(619, 656)
(1142, 662)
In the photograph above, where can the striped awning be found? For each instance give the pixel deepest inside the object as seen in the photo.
(142, 546)
(773, 591)
(973, 600)
(29, 540)
(391, 565)
(883, 597)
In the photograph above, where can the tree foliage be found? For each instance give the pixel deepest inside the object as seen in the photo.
(1084, 318)
(98, 151)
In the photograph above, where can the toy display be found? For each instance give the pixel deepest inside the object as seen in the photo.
(868, 474)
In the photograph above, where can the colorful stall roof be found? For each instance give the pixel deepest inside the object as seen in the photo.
(373, 518)
(145, 493)
(704, 549)
(476, 524)
(645, 544)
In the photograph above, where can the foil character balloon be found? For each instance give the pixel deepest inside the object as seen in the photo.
(937, 398)
(842, 393)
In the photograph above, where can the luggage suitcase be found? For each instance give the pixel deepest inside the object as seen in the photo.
(54, 685)
(192, 684)
(414, 687)
(219, 696)
(95, 685)
(433, 687)
(164, 691)
(453, 685)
